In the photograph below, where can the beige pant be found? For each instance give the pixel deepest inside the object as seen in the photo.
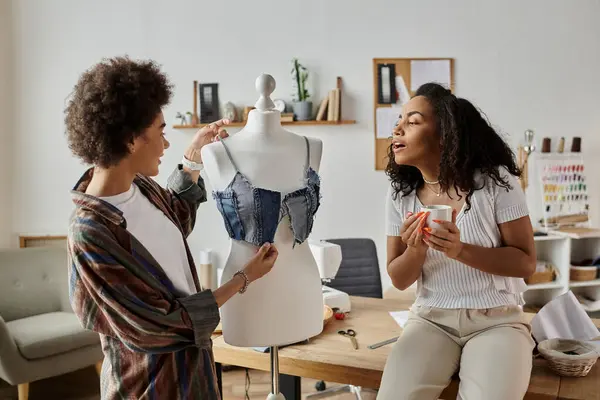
(491, 349)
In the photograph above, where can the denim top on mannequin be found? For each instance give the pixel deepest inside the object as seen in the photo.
(252, 214)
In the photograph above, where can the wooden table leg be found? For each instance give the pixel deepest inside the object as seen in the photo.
(219, 369)
(290, 386)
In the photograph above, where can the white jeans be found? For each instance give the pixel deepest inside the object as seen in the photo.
(491, 348)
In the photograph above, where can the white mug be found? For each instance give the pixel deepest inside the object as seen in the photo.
(439, 212)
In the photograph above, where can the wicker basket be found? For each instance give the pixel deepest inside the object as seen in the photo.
(548, 275)
(559, 353)
(579, 273)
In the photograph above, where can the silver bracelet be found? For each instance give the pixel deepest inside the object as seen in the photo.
(246, 280)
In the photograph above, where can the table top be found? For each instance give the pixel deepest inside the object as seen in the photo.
(331, 357)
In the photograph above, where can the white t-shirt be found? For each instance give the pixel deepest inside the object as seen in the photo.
(447, 283)
(158, 234)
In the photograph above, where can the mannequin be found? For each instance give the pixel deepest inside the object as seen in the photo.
(286, 305)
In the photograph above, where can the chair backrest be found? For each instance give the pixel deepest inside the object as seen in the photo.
(359, 272)
(33, 281)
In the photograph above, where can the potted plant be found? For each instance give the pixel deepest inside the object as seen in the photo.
(302, 106)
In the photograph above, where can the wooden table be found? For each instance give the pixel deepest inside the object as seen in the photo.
(330, 357)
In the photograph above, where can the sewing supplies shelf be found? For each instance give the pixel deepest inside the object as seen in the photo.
(559, 257)
(563, 188)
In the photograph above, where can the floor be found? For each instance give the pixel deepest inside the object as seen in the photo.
(84, 385)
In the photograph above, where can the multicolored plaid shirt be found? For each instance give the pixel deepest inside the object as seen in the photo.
(157, 343)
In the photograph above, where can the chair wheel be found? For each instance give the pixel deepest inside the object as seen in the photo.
(320, 386)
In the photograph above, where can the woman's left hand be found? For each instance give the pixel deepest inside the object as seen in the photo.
(446, 238)
(210, 133)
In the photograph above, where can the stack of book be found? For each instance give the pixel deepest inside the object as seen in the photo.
(331, 106)
(287, 117)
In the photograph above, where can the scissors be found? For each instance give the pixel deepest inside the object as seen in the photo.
(351, 334)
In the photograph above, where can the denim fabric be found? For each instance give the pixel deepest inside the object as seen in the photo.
(227, 206)
(301, 206)
(267, 204)
(252, 214)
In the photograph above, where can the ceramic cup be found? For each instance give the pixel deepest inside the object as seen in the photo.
(440, 212)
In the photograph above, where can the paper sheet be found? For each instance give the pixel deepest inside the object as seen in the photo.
(563, 318)
(387, 117)
(403, 95)
(401, 317)
(424, 71)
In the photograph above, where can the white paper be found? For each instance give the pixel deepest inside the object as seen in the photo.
(424, 71)
(403, 95)
(387, 117)
(563, 318)
(401, 317)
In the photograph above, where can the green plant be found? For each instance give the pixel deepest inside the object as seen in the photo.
(300, 76)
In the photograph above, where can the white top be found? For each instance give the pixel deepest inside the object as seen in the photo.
(158, 234)
(447, 283)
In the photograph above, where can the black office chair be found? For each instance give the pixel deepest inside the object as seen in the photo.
(358, 275)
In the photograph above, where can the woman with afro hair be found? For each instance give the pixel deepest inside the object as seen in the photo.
(132, 277)
(467, 317)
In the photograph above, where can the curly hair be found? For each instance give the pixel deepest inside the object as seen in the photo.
(468, 144)
(111, 105)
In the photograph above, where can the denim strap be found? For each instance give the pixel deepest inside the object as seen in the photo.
(229, 155)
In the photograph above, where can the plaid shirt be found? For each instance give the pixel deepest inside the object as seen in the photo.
(157, 343)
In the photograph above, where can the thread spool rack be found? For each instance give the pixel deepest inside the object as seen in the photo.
(564, 190)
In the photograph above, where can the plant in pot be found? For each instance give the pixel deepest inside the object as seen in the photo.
(302, 106)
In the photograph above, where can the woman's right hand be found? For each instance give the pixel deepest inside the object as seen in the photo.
(412, 231)
(262, 262)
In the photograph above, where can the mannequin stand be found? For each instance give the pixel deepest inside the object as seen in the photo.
(275, 393)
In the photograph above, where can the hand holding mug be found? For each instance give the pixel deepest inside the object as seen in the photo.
(444, 236)
(412, 231)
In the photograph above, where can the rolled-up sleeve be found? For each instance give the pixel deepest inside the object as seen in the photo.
(203, 311)
(185, 197)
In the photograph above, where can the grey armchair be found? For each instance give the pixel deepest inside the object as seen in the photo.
(40, 336)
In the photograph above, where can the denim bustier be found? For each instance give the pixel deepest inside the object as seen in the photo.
(252, 214)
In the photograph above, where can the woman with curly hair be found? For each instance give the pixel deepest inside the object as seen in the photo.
(467, 316)
(132, 277)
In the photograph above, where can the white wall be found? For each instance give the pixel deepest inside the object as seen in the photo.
(6, 118)
(526, 64)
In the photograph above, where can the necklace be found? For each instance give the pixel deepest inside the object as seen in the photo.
(431, 182)
(436, 193)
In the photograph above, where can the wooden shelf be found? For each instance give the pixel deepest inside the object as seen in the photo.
(297, 123)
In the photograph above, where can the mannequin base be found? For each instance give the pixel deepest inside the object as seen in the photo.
(278, 396)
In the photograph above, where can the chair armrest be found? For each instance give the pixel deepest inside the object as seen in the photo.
(5, 337)
(9, 353)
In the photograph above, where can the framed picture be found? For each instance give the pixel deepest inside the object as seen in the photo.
(209, 102)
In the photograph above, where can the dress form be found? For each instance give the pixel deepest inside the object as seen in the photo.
(286, 305)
